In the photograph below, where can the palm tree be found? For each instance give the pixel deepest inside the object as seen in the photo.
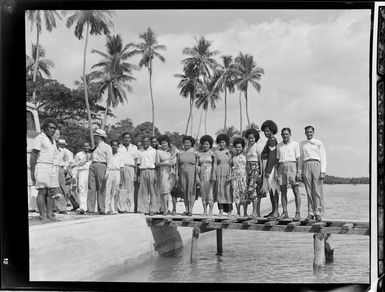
(208, 96)
(114, 73)
(187, 86)
(247, 72)
(199, 65)
(226, 81)
(148, 49)
(43, 65)
(35, 17)
(96, 22)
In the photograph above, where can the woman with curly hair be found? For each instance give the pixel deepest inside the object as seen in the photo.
(164, 162)
(270, 163)
(187, 163)
(238, 176)
(222, 192)
(205, 177)
(254, 173)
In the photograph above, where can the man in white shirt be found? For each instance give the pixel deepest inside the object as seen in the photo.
(113, 177)
(97, 174)
(65, 160)
(148, 201)
(43, 175)
(130, 155)
(288, 155)
(313, 161)
(82, 163)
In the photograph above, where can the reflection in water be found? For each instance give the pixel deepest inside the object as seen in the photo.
(269, 257)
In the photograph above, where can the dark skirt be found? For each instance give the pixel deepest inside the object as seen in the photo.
(225, 207)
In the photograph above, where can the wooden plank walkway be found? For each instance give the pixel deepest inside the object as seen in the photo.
(348, 227)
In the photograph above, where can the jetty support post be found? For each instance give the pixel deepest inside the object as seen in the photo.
(329, 249)
(194, 244)
(319, 251)
(219, 241)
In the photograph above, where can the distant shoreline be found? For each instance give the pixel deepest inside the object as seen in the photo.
(329, 179)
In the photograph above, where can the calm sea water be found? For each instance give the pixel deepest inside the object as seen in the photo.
(270, 257)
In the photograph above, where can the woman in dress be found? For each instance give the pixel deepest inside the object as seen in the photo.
(254, 174)
(205, 180)
(187, 163)
(165, 179)
(222, 192)
(238, 176)
(175, 191)
(270, 162)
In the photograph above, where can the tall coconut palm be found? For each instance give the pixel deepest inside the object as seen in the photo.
(226, 81)
(188, 86)
(114, 73)
(43, 65)
(247, 72)
(148, 49)
(36, 18)
(208, 96)
(96, 22)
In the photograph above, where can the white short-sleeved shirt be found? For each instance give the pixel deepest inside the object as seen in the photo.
(65, 157)
(288, 152)
(116, 162)
(130, 154)
(253, 152)
(147, 158)
(102, 153)
(48, 149)
(82, 160)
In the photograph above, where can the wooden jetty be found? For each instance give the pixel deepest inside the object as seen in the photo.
(323, 249)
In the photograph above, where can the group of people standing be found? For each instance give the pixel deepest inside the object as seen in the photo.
(241, 173)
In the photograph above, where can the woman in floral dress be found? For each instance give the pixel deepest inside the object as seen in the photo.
(222, 192)
(238, 176)
(166, 180)
(206, 164)
(254, 173)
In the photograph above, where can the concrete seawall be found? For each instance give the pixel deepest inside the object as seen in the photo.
(82, 249)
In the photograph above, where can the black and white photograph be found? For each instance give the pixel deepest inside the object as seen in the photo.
(207, 145)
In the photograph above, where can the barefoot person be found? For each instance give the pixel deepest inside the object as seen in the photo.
(254, 172)
(43, 175)
(97, 173)
(206, 170)
(222, 192)
(186, 173)
(238, 176)
(165, 163)
(148, 200)
(269, 162)
(313, 157)
(288, 155)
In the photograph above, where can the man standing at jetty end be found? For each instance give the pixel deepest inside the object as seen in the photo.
(313, 160)
(148, 202)
(43, 175)
(82, 162)
(96, 178)
(129, 153)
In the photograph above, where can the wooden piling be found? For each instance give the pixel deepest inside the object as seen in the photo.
(219, 242)
(329, 249)
(194, 244)
(319, 251)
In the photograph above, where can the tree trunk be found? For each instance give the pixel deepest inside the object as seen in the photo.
(189, 116)
(104, 122)
(200, 121)
(240, 112)
(85, 90)
(152, 100)
(35, 67)
(224, 127)
(247, 109)
(206, 121)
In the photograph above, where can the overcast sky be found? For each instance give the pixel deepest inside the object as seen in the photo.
(316, 66)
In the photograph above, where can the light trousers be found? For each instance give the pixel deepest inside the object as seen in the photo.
(112, 187)
(126, 199)
(313, 186)
(82, 188)
(148, 198)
